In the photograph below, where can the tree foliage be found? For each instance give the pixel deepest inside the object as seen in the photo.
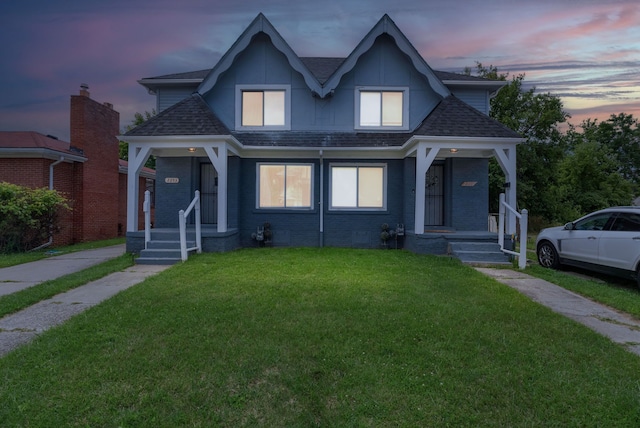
(28, 216)
(621, 134)
(537, 118)
(562, 175)
(138, 119)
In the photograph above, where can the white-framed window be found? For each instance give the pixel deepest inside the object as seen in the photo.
(284, 185)
(358, 187)
(382, 108)
(263, 107)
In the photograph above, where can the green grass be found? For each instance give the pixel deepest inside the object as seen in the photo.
(7, 260)
(14, 302)
(320, 337)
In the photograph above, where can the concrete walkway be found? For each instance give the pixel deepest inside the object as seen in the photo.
(19, 277)
(619, 327)
(21, 327)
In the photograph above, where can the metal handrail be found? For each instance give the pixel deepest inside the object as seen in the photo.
(524, 218)
(146, 207)
(182, 220)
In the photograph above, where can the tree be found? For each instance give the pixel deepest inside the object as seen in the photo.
(537, 118)
(590, 178)
(621, 134)
(138, 119)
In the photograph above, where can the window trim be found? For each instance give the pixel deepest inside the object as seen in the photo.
(380, 89)
(384, 167)
(285, 208)
(263, 88)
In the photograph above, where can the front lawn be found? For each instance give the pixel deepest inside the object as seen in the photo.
(320, 337)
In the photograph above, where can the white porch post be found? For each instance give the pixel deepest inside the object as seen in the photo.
(424, 159)
(137, 158)
(507, 160)
(219, 162)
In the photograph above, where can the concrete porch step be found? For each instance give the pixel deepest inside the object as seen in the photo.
(161, 252)
(479, 253)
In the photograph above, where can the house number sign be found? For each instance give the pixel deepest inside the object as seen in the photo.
(172, 180)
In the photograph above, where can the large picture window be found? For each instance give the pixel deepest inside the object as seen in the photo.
(358, 187)
(262, 107)
(284, 185)
(378, 108)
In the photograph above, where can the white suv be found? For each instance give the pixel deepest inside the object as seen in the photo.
(606, 241)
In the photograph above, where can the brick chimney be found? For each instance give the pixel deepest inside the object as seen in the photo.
(94, 129)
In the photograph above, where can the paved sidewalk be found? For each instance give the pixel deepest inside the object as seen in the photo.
(19, 277)
(21, 327)
(619, 327)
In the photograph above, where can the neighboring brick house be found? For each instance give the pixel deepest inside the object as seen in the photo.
(86, 171)
(326, 150)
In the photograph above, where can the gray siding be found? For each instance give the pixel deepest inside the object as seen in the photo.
(383, 65)
(478, 98)
(166, 97)
(290, 228)
(469, 207)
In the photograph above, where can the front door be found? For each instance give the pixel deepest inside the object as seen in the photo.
(434, 196)
(208, 194)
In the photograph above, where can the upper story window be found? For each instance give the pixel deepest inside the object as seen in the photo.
(263, 107)
(382, 108)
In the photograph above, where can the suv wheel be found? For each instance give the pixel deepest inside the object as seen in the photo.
(547, 255)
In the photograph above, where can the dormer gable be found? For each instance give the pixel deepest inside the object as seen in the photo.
(386, 26)
(259, 25)
(327, 84)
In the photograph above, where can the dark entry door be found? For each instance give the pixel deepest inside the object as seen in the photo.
(434, 196)
(208, 194)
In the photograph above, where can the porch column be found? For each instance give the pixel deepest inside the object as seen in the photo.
(424, 158)
(137, 158)
(507, 160)
(219, 162)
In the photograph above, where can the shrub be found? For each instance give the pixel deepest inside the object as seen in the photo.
(28, 216)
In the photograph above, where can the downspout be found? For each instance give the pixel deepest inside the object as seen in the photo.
(321, 201)
(50, 241)
(51, 171)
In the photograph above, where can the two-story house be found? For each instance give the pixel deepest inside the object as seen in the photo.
(325, 150)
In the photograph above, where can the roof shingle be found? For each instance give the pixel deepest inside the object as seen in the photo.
(450, 118)
(190, 116)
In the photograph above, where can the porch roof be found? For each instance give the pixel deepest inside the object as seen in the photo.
(451, 118)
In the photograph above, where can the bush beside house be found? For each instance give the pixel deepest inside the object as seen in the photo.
(86, 171)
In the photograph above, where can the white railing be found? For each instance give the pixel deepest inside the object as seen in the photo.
(523, 216)
(146, 207)
(182, 220)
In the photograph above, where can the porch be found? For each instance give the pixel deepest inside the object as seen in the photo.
(164, 246)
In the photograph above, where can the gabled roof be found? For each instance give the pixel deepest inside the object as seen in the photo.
(34, 144)
(328, 71)
(191, 116)
(259, 25)
(386, 26)
(322, 67)
(455, 118)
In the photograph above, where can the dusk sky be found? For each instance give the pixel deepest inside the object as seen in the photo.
(586, 52)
